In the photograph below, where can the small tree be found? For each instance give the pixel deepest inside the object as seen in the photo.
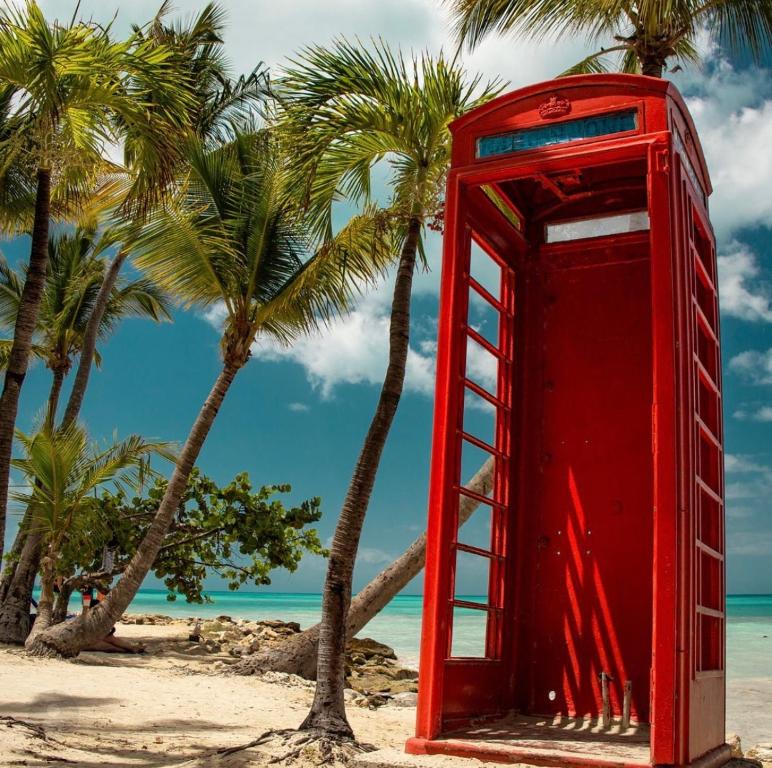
(75, 272)
(62, 472)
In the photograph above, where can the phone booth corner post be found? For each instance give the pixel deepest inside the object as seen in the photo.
(579, 352)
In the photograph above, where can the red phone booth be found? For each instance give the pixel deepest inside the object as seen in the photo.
(579, 314)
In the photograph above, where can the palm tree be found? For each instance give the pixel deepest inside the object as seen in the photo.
(645, 34)
(216, 104)
(63, 473)
(345, 109)
(75, 273)
(72, 90)
(236, 239)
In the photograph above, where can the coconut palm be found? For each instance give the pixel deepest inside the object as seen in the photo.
(72, 90)
(75, 273)
(647, 35)
(234, 240)
(345, 109)
(63, 471)
(216, 104)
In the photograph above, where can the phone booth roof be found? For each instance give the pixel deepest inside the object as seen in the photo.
(563, 115)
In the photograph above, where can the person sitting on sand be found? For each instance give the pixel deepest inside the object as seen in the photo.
(109, 643)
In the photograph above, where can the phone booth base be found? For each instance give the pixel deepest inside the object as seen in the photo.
(579, 356)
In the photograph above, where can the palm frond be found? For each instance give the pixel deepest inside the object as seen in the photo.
(346, 108)
(594, 64)
(63, 470)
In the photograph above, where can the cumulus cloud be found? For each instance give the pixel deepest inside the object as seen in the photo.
(743, 291)
(750, 543)
(732, 110)
(351, 350)
(734, 464)
(754, 413)
(299, 407)
(754, 366)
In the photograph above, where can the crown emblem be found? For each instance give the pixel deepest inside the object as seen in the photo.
(554, 106)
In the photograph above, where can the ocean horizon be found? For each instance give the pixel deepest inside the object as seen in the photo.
(749, 622)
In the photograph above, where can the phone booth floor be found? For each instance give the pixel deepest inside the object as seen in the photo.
(562, 741)
(579, 353)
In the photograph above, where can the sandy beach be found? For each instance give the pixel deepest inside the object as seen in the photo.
(171, 708)
(159, 709)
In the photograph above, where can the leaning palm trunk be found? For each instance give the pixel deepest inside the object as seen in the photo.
(69, 638)
(12, 557)
(297, 654)
(15, 612)
(26, 320)
(90, 337)
(328, 711)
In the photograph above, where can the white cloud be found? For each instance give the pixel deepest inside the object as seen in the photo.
(374, 556)
(754, 366)
(352, 350)
(299, 407)
(741, 294)
(733, 113)
(762, 413)
(742, 464)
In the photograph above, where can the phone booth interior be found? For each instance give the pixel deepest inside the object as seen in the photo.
(577, 618)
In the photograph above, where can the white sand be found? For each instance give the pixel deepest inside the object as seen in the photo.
(122, 711)
(166, 709)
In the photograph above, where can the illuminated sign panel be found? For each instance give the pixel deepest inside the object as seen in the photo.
(557, 133)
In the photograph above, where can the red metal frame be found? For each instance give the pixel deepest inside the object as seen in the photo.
(560, 600)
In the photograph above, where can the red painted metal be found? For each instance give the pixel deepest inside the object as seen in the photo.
(607, 519)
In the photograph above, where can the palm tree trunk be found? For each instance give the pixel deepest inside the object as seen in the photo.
(62, 602)
(14, 615)
(13, 556)
(297, 654)
(26, 320)
(90, 337)
(653, 67)
(46, 602)
(69, 638)
(53, 396)
(328, 711)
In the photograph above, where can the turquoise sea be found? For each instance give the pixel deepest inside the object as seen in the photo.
(749, 622)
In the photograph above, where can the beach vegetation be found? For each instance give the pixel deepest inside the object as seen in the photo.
(231, 531)
(63, 470)
(154, 160)
(74, 274)
(235, 241)
(69, 92)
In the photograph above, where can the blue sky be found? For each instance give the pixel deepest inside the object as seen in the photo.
(299, 415)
